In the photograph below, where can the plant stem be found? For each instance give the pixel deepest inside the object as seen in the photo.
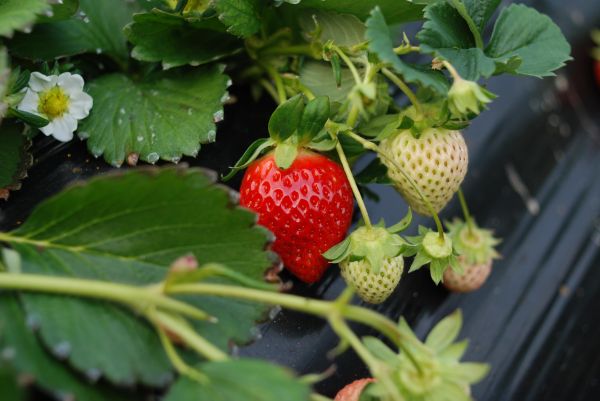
(404, 88)
(371, 146)
(181, 328)
(277, 79)
(465, 210)
(348, 62)
(135, 297)
(352, 181)
(377, 368)
(455, 75)
(406, 49)
(269, 88)
(294, 50)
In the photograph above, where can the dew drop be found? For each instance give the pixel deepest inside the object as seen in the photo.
(140, 138)
(33, 321)
(98, 50)
(175, 159)
(62, 350)
(225, 98)
(84, 134)
(86, 20)
(153, 157)
(255, 333)
(122, 110)
(49, 13)
(274, 312)
(211, 135)
(8, 353)
(218, 116)
(189, 111)
(27, 29)
(93, 374)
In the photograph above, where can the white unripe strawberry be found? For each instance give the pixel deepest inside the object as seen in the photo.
(436, 161)
(370, 286)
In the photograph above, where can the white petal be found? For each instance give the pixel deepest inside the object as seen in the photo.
(30, 102)
(61, 128)
(71, 83)
(39, 82)
(80, 105)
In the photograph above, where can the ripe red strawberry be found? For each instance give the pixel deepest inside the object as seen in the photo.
(352, 391)
(436, 161)
(308, 207)
(473, 277)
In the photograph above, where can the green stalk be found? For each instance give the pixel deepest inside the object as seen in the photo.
(371, 146)
(404, 88)
(135, 297)
(465, 210)
(352, 181)
(278, 81)
(294, 50)
(348, 62)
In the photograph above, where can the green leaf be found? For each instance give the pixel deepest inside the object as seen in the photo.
(468, 372)
(521, 31)
(99, 31)
(11, 390)
(445, 34)
(19, 14)
(374, 173)
(285, 154)
(338, 252)
(172, 40)
(242, 17)
(318, 78)
(129, 228)
(381, 351)
(285, 119)
(237, 380)
(62, 10)
(4, 81)
(32, 359)
(253, 151)
(380, 42)
(402, 224)
(345, 30)
(32, 119)
(161, 117)
(395, 11)
(480, 11)
(445, 332)
(314, 117)
(15, 158)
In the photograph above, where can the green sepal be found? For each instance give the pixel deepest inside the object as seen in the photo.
(313, 119)
(253, 151)
(285, 119)
(18, 80)
(445, 332)
(337, 69)
(420, 260)
(32, 119)
(285, 154)
(381, 351)
(475, 245)
(338, 252)
(402, 224)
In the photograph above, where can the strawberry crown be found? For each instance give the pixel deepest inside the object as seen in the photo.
(475, 244)
(373, 244)
(295, 124)
(429, 248)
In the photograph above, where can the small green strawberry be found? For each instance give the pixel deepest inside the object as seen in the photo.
(476, 247)
(438, 251)
(436, 161)
(371, 261)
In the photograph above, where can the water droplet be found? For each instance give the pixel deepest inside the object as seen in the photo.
(49, 13)
(225, 97)
(140, 138)
(62, 350)
(86, 20)
(27, 29)
(93, 374)
(229, 83)
(84, 134)
(153, 157)
(274, 312)
(9, 353)
(33, 321)
(120, 121)
(211, 135)
(218, 116)
(175, 159)
(189, 111)
(255, 333)
(98, 50)
(122, 110)
(154, 92)
(116, 163)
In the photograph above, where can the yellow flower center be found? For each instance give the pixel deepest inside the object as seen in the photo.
(53, 103)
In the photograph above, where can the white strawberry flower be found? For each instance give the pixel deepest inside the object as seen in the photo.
(58, 98)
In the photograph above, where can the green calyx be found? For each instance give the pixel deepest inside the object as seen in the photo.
(466, 97)
(294, 125)
(429, 248)
(373, 244)
(474, 244)
(440, 370)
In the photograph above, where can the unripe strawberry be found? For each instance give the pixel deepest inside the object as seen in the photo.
(370, 286)
(473, 277)
(436, 161)
(352, 391)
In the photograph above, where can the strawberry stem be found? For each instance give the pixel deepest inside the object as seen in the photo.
(348, 62)
(465, 210)
(404, 88)
(357, 195)
(371, 146)
(281, 95)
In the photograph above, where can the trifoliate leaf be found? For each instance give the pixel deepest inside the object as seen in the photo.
(242, 17)
(318, 78)
(61, 10)
(4, 81)
(380, 43)
(313, 119)
(174, 41)
(523, 32)
(28, 356)
(395, 11)
(129, 228)
(98, 28)
(237, 380)
(479, 11)
(15, 158)
(19, 14)
(164, 116)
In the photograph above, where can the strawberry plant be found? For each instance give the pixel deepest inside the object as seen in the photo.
(137, 283)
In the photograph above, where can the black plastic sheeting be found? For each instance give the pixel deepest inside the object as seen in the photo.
(534, 178)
